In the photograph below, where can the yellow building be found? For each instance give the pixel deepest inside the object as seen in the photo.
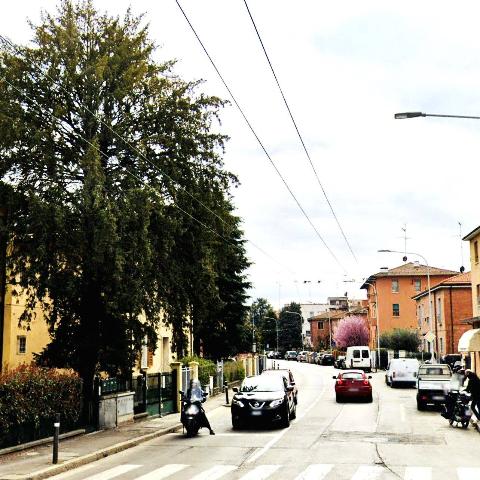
(470, 340)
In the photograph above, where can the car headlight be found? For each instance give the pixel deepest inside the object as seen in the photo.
(192, 410)
(238, 403)
(276, 403)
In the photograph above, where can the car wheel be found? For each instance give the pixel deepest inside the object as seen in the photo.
(236, 424)
(286, 418)
(420, 406)
(392, 384)
(293, 415)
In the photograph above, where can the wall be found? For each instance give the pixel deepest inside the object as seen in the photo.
(475, 275)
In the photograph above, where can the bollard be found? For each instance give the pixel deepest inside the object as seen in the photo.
(56, 432)
(225, 384)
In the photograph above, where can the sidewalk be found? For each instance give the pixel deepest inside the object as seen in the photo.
(36, 463)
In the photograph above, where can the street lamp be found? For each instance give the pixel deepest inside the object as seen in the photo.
(403, 115)
(428, 286)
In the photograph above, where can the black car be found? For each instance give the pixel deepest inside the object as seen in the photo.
(263, 399)
(340, 363)
(328, 359)
(286, 373)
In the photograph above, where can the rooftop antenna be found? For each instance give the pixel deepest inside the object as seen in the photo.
(462, 268)
(405, 238)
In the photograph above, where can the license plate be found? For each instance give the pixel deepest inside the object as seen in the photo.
(256, 414)
(354, 389)
(438, 397)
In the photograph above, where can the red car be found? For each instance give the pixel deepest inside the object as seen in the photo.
(353, 384)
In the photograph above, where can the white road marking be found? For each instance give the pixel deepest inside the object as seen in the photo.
(315, 472)
(261, 472)
(468, 473)
(113, 472)
(242, 434)
(215, 472)
(274, 440)
(366, 472)
(163, 472)
(418, 473)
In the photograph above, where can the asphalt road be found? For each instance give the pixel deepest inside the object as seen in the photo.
(386, 439)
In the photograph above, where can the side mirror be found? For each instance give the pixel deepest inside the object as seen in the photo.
(334, 377)
(235, 389)
(290, 388)
(292, 384)
(369, 376)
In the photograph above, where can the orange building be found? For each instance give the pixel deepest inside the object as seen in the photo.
(394, 289)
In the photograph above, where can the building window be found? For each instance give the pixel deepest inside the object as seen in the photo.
(478, 295)
(395, 287)
(312, 314)
(396, 309)
(439, 310)
(307, 333)
(320, 325)
(475, 250)
(441, 345)
(420, 315)
(417, 284)
(21, 344)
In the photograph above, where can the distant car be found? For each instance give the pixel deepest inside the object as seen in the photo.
(302, 356)
(313, 357)
(359, 358)
(291, 355)
(328, 359)
(340, 362)
(353, 384)
(265, 399)
(402, 371)
(271, 354)
(318, 360)
(284, 372)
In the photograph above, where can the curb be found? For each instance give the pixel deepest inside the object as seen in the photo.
(92, 457)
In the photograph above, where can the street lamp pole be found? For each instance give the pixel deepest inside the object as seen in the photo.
(428, 286)
(404, 115)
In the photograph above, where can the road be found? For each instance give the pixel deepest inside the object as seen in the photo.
(387, 439)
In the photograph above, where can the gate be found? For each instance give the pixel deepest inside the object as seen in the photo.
(160, 394)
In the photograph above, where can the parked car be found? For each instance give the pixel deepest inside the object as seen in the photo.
(265, 399)
(353, 384)
(402, 371)
(313, 357)
(340, 362)
(319, 358)
(432, 383)
(273, 354)
(328, 359)
(359, 358)
(291, 355)
(286, 373)
(302, 356)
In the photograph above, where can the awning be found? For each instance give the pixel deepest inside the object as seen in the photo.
(470, 341)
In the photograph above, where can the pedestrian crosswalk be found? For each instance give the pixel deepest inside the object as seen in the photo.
(264, 472)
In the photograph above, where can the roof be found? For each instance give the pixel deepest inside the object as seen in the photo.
(339, 314)
(460, 280)
(410, 269)
(472, 234)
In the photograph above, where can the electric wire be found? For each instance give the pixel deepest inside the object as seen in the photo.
(8, 42)
(258, 139)
(299, 134)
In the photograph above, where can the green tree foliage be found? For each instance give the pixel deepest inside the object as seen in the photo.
(400, 339)
(106, 156)
(290, 328)
(263, 316)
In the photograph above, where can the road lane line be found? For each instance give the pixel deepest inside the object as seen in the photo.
(261, 473)
(315, 472)
(468, 473)
(113, 472)
(367, 472)
(418, 473)
(215, 472)
(274, 440)
(163, 472)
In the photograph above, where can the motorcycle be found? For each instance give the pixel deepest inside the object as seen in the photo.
(191, 415)
(457, 408)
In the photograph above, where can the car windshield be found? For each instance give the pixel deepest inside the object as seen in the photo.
(434, 371)
(267, 383)
(352, 376)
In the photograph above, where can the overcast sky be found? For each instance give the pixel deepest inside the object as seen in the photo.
(345, 68)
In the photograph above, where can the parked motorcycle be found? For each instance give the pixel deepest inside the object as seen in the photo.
(192, 414)
(457, 408)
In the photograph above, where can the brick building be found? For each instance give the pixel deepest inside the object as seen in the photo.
(451, 305)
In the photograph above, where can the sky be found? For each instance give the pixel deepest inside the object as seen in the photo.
(345, 69)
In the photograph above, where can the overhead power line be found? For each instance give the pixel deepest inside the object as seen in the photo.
(10, 44)
(258, 139)
(299, 134)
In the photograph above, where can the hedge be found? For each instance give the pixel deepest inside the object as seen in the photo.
(233, 371)
(29, 398)
(206, 368)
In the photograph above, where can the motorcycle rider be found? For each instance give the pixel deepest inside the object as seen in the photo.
(197, 396)
(473, 388)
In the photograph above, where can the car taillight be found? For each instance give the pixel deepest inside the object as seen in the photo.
(339, 381)
(365, 382)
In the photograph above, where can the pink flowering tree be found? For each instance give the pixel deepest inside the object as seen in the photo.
(351, 331)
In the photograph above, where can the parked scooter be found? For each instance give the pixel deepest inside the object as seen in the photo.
(192, 415)
(457, 408)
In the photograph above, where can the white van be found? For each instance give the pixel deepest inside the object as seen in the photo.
(402, 371)
(358, 357)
